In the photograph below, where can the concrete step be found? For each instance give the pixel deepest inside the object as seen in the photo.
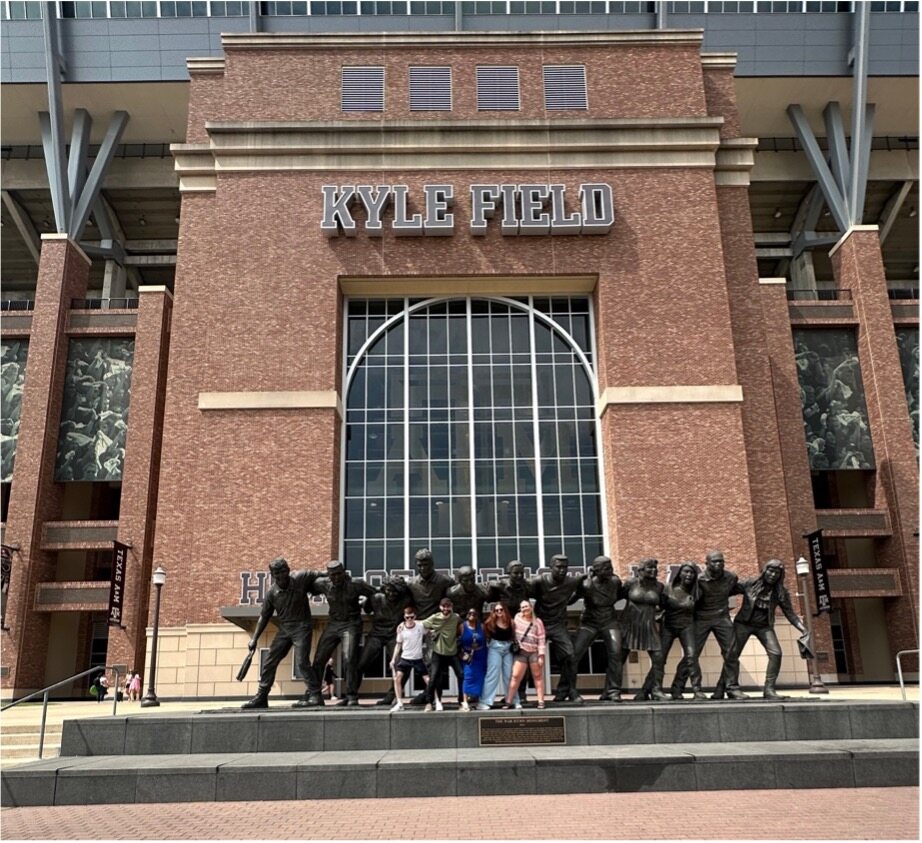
(239, 776)
(368, 728)
(27, 729)
(30, 750)
(9, 740)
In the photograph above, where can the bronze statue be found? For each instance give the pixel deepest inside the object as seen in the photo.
(600, 621)
(344, 626)
(468, 593)
(712, 615)
(762, 595)
(386, 607)
(428, 587)
(287, 599)
(553, 592)
(512, 589)
(646, 596)
(678, 623)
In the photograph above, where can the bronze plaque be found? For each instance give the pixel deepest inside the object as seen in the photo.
(522, 731)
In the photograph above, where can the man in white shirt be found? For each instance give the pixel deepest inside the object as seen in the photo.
(408, 653)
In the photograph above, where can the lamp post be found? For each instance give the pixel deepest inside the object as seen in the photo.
(150, 698)
(803, 568)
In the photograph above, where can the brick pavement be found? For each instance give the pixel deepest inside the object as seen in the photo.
(836, 814)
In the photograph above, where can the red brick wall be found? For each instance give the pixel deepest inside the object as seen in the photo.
(858, 266)
(35, 498)
(305, 83)
(257, 308)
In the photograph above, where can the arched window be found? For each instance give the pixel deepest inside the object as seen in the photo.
(471, 429)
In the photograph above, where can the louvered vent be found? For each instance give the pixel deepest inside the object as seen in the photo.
(564, 87)
(497, 89)
(430, 89)
(363, 89)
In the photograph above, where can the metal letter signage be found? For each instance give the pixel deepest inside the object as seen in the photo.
(523, 209)
(820, 577)
(117, 583)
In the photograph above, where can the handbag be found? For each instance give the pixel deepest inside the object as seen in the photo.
(516, 647)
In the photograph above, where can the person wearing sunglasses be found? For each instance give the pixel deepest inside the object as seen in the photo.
(532, 643)
(499, 632)
(408, 654)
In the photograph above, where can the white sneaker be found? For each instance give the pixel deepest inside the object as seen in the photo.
(482, 707)
(465, 706)
(397, 706)
(438, 705)
(428, 707)
(517, 705)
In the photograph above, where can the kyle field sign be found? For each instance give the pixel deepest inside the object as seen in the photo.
(521, 209)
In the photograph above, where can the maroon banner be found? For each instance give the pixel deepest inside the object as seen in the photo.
(820, 577)
(6, 573)
(117, 583)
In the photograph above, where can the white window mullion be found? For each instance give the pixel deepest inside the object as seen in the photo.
(470, 429)
(406, 431)
(536, 428)
(599, 443)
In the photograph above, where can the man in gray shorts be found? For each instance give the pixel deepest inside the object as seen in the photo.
(408, 654)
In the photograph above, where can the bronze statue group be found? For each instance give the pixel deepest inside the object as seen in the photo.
(433, 624)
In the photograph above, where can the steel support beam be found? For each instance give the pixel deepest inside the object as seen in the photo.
(23, 224)
(52, 122)
(838, 147)
(892, 208)
(824, 177)
(253, 7)
(76, 162)
(861, 120)
(94, 179)
(661, 15)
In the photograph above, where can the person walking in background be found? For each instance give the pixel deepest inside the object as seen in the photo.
(134, 687)
(499, 632)
(532, 645)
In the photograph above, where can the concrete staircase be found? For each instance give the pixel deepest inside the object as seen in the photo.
(351, 753)
(19, 742)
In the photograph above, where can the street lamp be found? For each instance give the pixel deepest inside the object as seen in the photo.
(803, 568)
(150, 698)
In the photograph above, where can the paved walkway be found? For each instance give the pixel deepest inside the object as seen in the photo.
(860, 814)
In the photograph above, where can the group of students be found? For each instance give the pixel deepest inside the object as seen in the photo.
(489, 658)
(131, 690)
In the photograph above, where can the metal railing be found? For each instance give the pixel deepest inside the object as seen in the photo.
(50, 688)
(910, 293)
(104, 304)
(899, 669)
(17, 304)
(823, 294)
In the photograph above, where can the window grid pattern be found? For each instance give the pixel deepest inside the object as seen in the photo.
(430, 88)
(565, 87)
(31, 10)
(470, 428)
(363, 89)
(498, 88)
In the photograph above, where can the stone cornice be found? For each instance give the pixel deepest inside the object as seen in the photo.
(458, 40)
(414, 145)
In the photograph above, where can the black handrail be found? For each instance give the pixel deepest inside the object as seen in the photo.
(811, 294)
(46, 691)
(122, 303)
